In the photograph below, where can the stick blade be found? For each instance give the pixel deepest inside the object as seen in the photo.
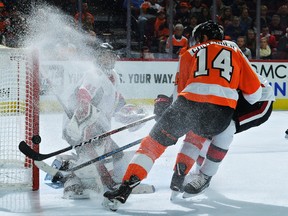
(26, 150)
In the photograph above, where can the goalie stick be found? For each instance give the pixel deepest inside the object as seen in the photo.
(140, 189)
(29, 152)
(59, 173)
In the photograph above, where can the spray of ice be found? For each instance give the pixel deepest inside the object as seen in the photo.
(64, 51)
(50, 31)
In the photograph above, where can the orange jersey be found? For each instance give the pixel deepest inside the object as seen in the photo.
(177, 44)
(213, 71)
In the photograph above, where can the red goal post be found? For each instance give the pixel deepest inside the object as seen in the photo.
(19, 116)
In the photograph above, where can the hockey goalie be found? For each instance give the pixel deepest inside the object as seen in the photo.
(92, 105)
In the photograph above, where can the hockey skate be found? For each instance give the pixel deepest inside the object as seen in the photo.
(177, 180)
(120, 195)
(198, 184)
(286, 134)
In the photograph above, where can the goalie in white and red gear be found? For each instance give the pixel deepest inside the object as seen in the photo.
(94, 103)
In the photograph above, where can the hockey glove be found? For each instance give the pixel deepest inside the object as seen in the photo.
(162, 102)
(130, 113)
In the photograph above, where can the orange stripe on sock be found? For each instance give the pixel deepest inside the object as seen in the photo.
(151, 148)
(182, 158)
(194, 139)
(135, 169)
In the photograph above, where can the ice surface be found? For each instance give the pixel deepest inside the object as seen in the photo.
(252, 180)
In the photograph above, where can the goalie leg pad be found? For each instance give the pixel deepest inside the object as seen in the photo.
(73, 188)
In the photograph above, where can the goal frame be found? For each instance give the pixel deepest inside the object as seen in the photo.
(22, 61)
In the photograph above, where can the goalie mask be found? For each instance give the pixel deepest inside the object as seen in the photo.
(210, 29)
(106, 58)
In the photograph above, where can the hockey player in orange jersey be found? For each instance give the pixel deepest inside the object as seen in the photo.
(209, 76)
(214, 150)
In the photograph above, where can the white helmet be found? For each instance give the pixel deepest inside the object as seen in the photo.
(106, 57)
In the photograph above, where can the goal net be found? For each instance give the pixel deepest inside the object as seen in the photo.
(19, 116)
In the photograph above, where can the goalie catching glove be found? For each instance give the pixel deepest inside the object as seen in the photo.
(162, 102)
(130, 113)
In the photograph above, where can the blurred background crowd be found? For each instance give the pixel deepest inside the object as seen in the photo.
(160, 27)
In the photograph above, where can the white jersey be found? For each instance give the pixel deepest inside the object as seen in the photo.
(102, 95)
(102, 90)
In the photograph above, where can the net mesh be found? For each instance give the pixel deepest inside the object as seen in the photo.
(17, 115)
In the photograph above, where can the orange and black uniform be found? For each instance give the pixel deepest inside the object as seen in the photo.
(209, 76)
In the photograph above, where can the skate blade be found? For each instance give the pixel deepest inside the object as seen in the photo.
(188, 195)
(175, 196)
(111, 205)
(143, 189)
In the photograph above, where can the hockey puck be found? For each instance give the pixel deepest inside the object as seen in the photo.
(36, 139)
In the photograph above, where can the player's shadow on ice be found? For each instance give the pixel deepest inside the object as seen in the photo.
(213, 204)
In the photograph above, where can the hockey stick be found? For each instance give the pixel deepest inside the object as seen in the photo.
(29, 152)
(55, 172)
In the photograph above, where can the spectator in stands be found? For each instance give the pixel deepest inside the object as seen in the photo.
(282, 48)
(226, 16)
(162, 36)
(150, 7)
(146, 20)
(179, 42)
(4, 18)
(283, 13)
(146, 54)
(276, 28)
(188, 30)
(84, 15)
(245, 19)
(205, 15)
(197, 7)
(271, 39)
(265, 19)
(17, 30)
(183, 14)
(251, 41)
(153, 7)
(88, 25)
(135, 13)
(237, 7)
(241, 42)
(265, 50)
(160, 19)
(134, 5)
(166, 7)
(219, 8)
(234, 30)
